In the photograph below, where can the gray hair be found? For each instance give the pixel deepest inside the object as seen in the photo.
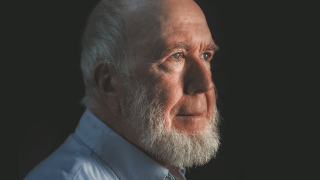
(103, 39)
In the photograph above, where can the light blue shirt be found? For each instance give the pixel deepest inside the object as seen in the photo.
(96, 152)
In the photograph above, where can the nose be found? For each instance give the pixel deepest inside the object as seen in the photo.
(198, 78)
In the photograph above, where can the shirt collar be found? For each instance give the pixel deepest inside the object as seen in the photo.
(123, 158)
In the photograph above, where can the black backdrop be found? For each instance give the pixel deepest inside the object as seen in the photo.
(244, 30)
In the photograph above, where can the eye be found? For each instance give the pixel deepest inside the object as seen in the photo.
(176, 56)
(205, 56)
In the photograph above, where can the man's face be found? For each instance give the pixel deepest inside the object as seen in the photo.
(170, 97)
(173, 50)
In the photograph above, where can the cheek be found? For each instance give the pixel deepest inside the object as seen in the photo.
(169, 95)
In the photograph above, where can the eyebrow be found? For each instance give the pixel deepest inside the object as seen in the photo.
(212, 46)
(186, 46)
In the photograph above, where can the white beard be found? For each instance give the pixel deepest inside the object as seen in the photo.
(142, 110)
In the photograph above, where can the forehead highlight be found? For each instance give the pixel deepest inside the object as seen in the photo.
(148, 35)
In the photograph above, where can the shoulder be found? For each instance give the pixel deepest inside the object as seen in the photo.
(73, 160)
(95, 168)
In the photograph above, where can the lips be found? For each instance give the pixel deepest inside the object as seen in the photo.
(190, 114)
(183, 111)
(191, 106)
(188, 118)
(191, 110)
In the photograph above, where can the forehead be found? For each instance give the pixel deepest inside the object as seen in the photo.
(180, 10)
(170, 21)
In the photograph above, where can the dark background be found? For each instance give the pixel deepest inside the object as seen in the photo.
(248, 73)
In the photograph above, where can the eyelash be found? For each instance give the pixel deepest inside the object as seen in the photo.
(177, 60)
(181, 55)
(210, 56)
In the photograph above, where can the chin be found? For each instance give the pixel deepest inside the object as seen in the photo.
(182, 147)
(190, 124)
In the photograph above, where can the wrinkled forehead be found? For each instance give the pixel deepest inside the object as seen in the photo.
(149, 21)
(180, 10)
(145, 15)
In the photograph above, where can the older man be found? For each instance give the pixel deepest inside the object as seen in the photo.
(149, 95)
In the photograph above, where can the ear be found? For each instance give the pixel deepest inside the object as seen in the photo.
(102, 78)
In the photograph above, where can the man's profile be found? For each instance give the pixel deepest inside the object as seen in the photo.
(151, 102)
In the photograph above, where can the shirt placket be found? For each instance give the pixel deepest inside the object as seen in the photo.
(169, 177)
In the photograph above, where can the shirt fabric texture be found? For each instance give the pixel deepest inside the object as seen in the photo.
(96, 152)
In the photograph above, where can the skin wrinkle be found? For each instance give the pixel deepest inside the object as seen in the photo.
(211, 46)
(185, 46)
(146, 39)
